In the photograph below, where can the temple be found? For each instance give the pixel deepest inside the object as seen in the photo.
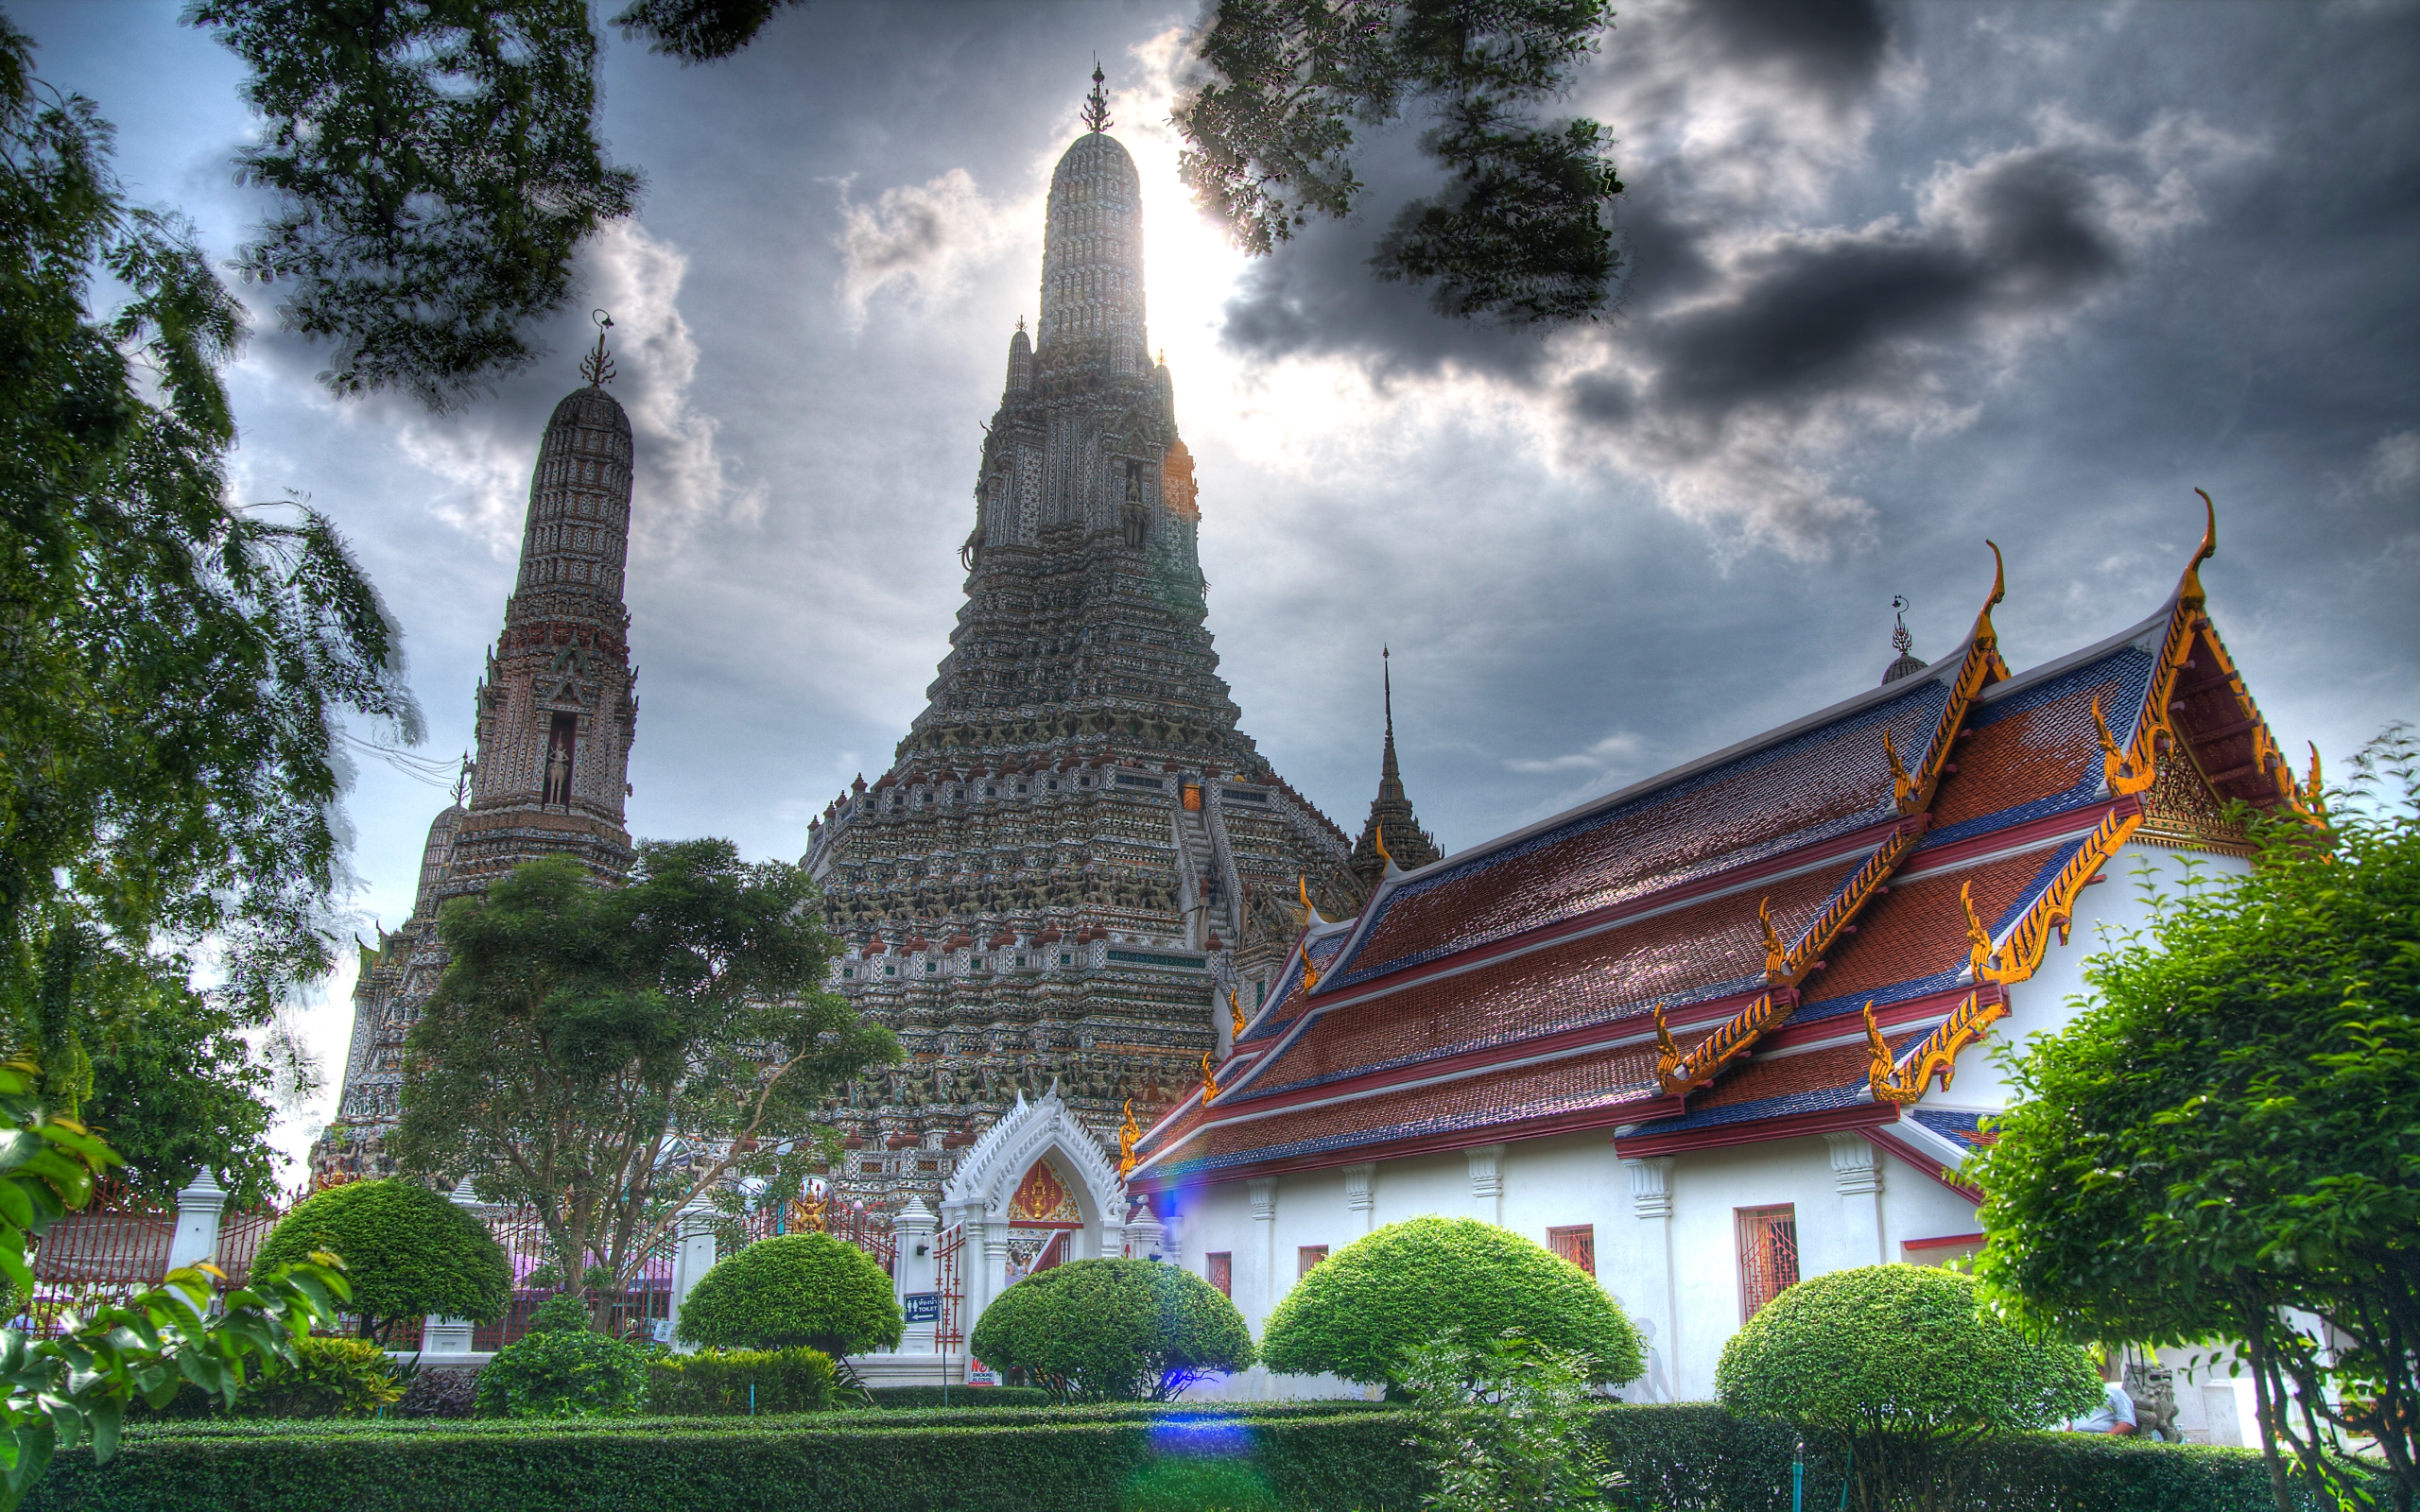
(555, 718)
(1078, 870)
(1717, 1031)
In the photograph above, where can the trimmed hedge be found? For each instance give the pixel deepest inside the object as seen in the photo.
(1361, 1308)
(407, 1250)
(1328, 1456)
(1115, 1331)
(792, 1290)
(739, 1382)
(907, 1398)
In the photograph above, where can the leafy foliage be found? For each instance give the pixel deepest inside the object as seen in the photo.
(563, 1373)
(561, 1311)
(329, 1378)
(2225, 1131)
(76, 1386)
(727, 1383)
(435, 1393)
(580, 1032)
(794, 1290)
(410, 1252)
(1362, 1310)
(699, 31)
(1901, 1364)
(1517, 235)
(436, 164)
(1115, 1331)
(1316, 1457)
(172, 671)
(1505, 1423)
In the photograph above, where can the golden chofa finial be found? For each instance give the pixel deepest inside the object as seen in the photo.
(1236, 1013)
(1979, 956)
(1127, 1133)
(1903, 788)
(2314, 795)
(1985, 635)
(2188, 589)
(2117, 769)
(1378, 837)
(1668, 1054)
(1776, 954)
(1880, 1063)
(1209, 1082)
(597, 367)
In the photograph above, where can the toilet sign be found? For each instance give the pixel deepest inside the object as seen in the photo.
(922, 1307)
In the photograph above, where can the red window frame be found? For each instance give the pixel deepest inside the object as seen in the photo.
(1575, 1243)
(1767, 1255)
(1219, 1269)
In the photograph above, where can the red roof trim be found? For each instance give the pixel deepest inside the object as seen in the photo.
(2033, 835)
(1755, 1131)
(1578, 1122)
(1892, 1144)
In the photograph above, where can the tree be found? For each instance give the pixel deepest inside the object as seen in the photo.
(1505, 1423)
(178, 1091)
(411, 1253)
(1901, 1364)
(1517, 235)
(174, 673)
(436, 166)
(1360, 1312)
(790, 1291)
(607, 1055)
(59, 1391)
(1115, 1331)
(2225, 1132)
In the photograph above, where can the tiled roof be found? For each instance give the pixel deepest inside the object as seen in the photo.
(1821, 782)
(1913, 939)
(1951, 1124)
(1705, 950)
(1779, 1087)
(1605, 1079)
(2036, 751)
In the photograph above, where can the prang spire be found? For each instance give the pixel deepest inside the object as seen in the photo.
(1393, 833)
(1096, 104)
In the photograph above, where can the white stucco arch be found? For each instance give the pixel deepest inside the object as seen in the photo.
(977, 1193)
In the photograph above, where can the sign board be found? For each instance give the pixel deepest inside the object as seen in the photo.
(979, 1374)
(659, 1329)
(922, 1307)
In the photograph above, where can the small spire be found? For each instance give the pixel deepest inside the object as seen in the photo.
(1906, 664)
(1097, 106)
(597, 367)
(1388, 771)
(1020, 323)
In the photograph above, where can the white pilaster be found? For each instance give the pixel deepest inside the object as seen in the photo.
(199, 1206)
(1487, 1184)
(1264, 1248)
(1858, 1176)
(1651, 1200)
(916, 1269)
(1358, 1197)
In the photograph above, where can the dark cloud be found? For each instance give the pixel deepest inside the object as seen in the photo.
(1834, 47)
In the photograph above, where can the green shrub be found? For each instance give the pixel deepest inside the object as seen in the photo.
(562, 1311)
(563, 1373)
(909, 1398)
(1358, 1312)
(1505, 1423)
(330, 1378)
(1898, 1363)
(739, 1382)
(1115, 1331)
(1312, 1457)
(797, 1289)
(409, 1251)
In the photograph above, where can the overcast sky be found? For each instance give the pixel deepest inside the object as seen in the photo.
(1900, 278)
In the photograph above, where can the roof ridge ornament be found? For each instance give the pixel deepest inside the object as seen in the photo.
(2189, 588)
(1236, 1014)
(598, 366)
(1128, 1132)
(1095, 107)
(1986, 635)
(1776, 954)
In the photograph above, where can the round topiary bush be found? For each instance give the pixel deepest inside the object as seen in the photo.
(563, 1373)
(1901, 1367)
(1358, 1311)
(409, 1251)
(1115, 1331)
(797, 1289)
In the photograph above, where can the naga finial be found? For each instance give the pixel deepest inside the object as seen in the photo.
(1236, 1013)
(1979, 939)
(1903, 788)
(597, 367)
(1127, 1133)
(2189, 588)
(1881, 1064)
(1209, 1082)
(1667, 1053)
(1984, 634)
(1096, 104)
(1776, 954)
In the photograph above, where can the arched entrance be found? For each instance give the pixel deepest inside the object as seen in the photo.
(1038, 1190)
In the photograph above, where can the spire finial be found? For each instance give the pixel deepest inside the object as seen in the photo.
(1388, 769)
(1097, 106)
(597, 367)
(1020, 323)
(1901, 640)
